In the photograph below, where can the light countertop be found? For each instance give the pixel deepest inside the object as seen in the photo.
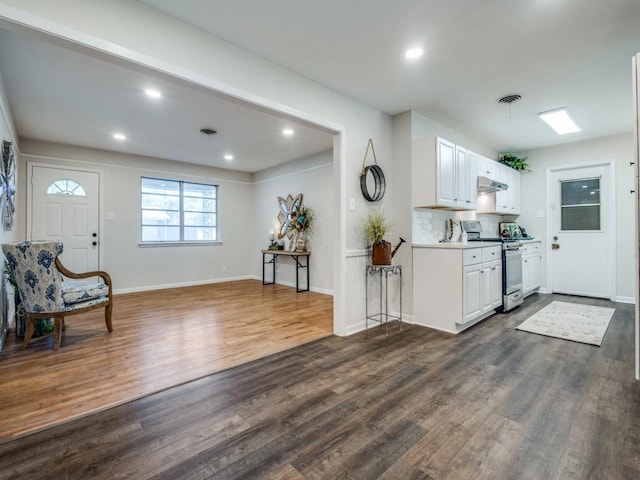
(457, 245)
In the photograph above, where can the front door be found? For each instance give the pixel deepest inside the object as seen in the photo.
(64, 206)
(581, 257)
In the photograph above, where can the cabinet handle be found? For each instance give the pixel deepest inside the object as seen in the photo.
(632, 191)
(632, 163)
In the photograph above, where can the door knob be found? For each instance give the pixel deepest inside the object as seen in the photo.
(94, 234)
(94, 243)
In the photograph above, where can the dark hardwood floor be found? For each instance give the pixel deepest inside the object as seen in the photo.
(490, 403)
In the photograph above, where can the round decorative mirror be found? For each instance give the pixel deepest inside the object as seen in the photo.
(372, 183)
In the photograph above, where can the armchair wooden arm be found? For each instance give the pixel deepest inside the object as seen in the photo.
(68, 273)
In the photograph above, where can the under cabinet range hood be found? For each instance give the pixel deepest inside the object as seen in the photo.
(486, 185)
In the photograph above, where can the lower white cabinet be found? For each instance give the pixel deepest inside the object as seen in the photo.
(453, 288)
(531, 267)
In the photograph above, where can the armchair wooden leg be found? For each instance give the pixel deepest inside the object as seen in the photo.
(57, 332)
(107, 316)
(29, 333)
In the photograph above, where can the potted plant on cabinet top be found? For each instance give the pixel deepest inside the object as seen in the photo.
(515, 162)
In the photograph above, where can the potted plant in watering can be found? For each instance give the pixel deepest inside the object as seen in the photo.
(376, 228)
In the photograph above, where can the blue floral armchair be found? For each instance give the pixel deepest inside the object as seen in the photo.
(38, 273)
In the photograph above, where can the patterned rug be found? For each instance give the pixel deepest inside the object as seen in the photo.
(570, 321)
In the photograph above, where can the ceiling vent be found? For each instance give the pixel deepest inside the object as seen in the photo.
(514, 97)
(208, 131)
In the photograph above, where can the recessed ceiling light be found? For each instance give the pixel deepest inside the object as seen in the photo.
(413, 53)
(560, 121)
(119, 136)
(287, 131)
(150, 92)
(228, 157)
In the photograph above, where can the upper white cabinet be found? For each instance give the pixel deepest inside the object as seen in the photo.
(487, 168)
(444, 175)
(506, 202)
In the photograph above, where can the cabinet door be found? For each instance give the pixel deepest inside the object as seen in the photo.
(492, 284)
(462, 177)
(496, 284)
(502, 198)
(471, 181)
(487, 167)
(473, 292)
(531, 272)
(446, 172)
(515, 192)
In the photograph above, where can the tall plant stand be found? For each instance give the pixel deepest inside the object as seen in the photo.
(383, 272)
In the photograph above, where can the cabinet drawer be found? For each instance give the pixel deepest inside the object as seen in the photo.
(471, 256)
(529, 248)
(489, 254)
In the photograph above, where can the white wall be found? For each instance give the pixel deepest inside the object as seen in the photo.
(133, 31)
(534, 194)
(311, 176)
(137, 268)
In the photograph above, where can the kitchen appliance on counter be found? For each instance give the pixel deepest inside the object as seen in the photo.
(512, 292)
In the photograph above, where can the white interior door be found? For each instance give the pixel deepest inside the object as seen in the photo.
(64, 206)
(581, 256)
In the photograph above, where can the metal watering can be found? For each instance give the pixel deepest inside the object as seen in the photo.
(382, 253)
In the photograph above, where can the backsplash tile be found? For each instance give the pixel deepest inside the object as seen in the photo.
(430, 225)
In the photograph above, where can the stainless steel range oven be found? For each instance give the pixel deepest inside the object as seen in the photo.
(512, 294)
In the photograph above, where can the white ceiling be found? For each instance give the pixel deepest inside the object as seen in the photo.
(555, 53)
(64, 96)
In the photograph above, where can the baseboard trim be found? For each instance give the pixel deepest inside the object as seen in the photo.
(630, 300)
(149, 288)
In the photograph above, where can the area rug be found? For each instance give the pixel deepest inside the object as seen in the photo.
(570, 321)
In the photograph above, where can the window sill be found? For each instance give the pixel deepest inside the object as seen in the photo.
(178, 244)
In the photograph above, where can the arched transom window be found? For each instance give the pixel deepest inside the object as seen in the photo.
(66, 187)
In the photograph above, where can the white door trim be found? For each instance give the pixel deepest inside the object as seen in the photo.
(31, 165)
(610, 213)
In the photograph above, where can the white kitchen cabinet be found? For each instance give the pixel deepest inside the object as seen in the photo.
(473, 292)
(531, 267)
(444, 175)
(492, 273)
(455, 287)
(487, 167)
(506, 202)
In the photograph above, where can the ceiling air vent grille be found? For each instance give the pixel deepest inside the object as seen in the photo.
(514, 97)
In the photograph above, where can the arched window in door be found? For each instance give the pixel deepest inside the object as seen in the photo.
(66, 187)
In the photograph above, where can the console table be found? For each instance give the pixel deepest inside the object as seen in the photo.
(383, 315)
(296, 257)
